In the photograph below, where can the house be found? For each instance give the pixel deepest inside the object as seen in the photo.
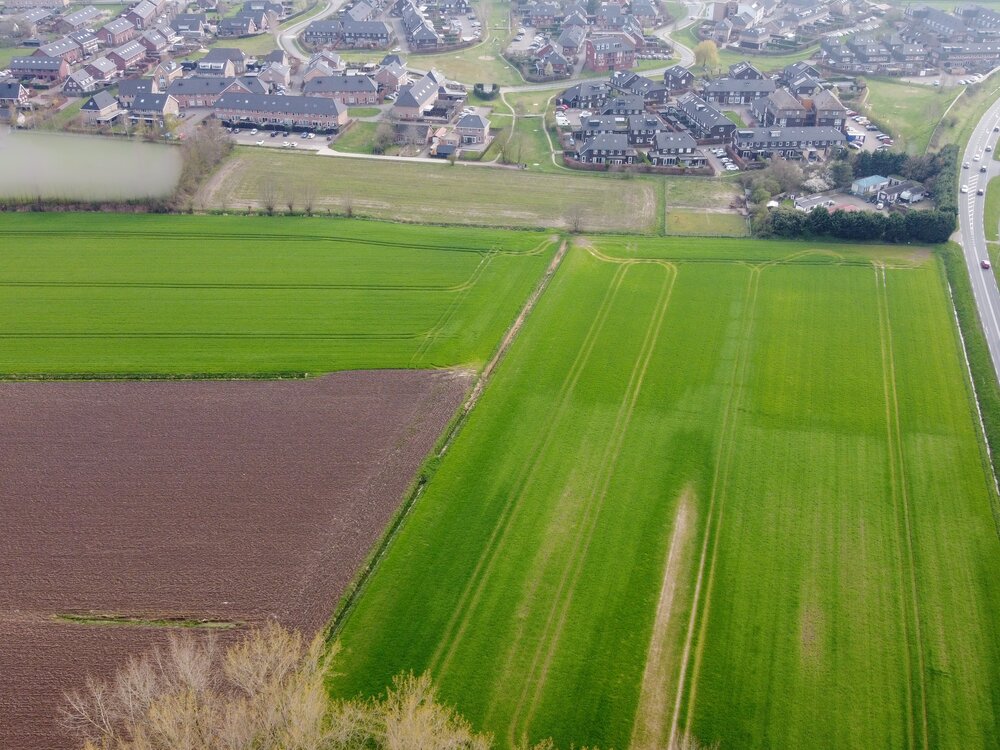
(100, 109)
(153, 109)
(240, 25)
(543, 15)
(607, 148)
(142, 14)
(129, 55)
(78, 83)
(705, 122)
(424, 36)
(646, 11)
(348, 33)
(744, 71)
(390, 78)
(349, 90)
(595, 125)
(804, 85)
(627, 104)
(609, 52)
(571, 40)
(201, 91)
(586, 95)
(190, 25)
(131, 88)
(51, 69)
(13, 93)
(64, 48)
(307, 112)
(551, 62)
(166, 73)
(102, 69)
(678, 79)
(827, 110)
(790, 143)
(631, 83)
(642, 129)
(900, 190)
(865, 187)
(29, 23)
(411, 134)
(78, 20)
(737, 90)
(117, 32)
(780, 109)
(222, 61)
(275, 75)
(416, 98)
(473, 128)
(253, 85)
(756, 38)
(87, 41)
(676, 150)
(154, 43)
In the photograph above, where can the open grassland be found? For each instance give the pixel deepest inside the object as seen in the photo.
(91, 294)
(436, 193)
(701, 192)
(706, 224)
(765, 63)
(910, 112)
(737, 490)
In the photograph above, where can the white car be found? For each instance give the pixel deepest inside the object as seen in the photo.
(732, 168)
(260, 143)
(284, 144)
(253, 132)
(965, 188)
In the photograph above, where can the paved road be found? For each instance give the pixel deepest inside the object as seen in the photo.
(973, 236)
(287, 37)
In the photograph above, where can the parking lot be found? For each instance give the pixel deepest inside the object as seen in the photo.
(280, 139)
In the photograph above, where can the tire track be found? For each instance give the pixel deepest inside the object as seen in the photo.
(473, 591)
(562, 600)
(901, 502)
(698, 618)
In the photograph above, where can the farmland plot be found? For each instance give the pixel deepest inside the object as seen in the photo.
(727, 490)
(144, 295)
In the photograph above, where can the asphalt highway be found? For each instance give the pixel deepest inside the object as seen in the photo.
(971, 225)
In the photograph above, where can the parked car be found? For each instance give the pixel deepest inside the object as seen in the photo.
(253, 132)
(260, 143)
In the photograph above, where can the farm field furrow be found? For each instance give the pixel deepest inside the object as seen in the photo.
(135, 295)
(730, 490)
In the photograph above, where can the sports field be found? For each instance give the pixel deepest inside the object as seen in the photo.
(145, 295)
(720, 488)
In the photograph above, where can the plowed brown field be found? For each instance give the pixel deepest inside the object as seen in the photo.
(235, 501)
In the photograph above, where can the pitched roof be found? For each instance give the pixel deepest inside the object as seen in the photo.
(340, 84)
(118, 26)
(199, 85)
(284, 105)
(100, 100)
(667, 141)
(150, 102)
(473, 121)
(39, 62)
(417, 94)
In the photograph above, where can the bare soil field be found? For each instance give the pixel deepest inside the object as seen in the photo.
(231, 501)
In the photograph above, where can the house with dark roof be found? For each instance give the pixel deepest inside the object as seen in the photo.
(416, 98)
(100, 109)
(13, 93)
(349, 90)
(676, 150)
(241, 25)
(779, 109)
(827, 110)
(586, 95)
(607, 148)
(704, 121)
(628, 82)
(116, 33)
(571, 39)
(473, 128)
(129, 55)
(190, 25)
(86, 39)
(154, 42)
(78, 19)
(64, 48)
(142, 14)
(51, 69)
(745, 71)
(223, 61)
(678, 79)
(737, 90)
(78, 83)
(307, 112)
(153, 109)
(131, 88)
(202, 91)
(642, 129)
(791, 143)
(624, 105)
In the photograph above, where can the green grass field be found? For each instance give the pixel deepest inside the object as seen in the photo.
(765, 63)
(358, 139)
(730, 488)
(692, 222)
(991, 211)
(93, 294)
(439, 193)
(910, 112)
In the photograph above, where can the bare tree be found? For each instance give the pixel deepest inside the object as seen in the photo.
(268, 196)
(308, 198)
(348, 201)
(266, 692)
(574, 218)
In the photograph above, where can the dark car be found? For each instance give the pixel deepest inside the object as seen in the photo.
(979, 192)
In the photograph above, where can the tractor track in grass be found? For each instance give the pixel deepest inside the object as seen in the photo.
(901, 501)
(562, 600)
(472, 592)
(714, 518)
(435, 332)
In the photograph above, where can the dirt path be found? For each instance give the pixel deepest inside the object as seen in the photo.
(652, 714)
(206, 194)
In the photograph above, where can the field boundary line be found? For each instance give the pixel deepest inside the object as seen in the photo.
(563, 598)
(473, 590)
(356, 589)
(900, 493)
(713, 520)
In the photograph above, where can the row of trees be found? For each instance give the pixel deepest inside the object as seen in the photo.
(931, 227)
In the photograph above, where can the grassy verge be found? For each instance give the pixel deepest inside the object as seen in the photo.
(364, 111)
(143, 622)
(991, 213)
(701, 223)
(734, 117)
(909, 112)
(358, 139)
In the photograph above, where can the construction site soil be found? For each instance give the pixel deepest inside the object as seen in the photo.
(227, 501)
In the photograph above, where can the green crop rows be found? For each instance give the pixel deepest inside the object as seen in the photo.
(106, 295)
(747, 500)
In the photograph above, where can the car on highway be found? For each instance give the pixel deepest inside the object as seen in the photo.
(965, 166)
(982, 169)
(984, 263)
(965, 188)
(976, 157)
(979, 192)
(996, 129)
(989, 148)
